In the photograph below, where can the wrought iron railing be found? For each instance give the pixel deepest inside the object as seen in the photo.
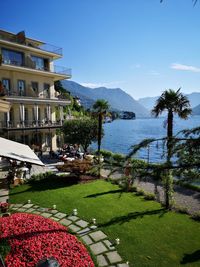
(30, 124)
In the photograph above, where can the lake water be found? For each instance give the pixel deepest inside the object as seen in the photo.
(120, 135)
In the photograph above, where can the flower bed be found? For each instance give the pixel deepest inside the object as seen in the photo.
(32, 238)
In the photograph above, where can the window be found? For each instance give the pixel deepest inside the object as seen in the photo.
(34, 86)
(12, 57)
(40, 63)
(6, 85)
(21, 87)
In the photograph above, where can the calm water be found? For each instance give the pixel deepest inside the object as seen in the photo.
(120, 135)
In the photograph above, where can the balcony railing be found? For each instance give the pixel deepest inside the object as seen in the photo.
(57, 69)
(32, 124)
(45, 47)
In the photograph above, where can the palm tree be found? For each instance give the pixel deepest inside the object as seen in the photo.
(174, 102)
(100, 107)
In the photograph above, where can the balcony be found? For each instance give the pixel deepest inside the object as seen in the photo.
(30, 125)
(30, 43)
(56, 70)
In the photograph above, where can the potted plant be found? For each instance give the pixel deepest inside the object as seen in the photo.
(4, 207)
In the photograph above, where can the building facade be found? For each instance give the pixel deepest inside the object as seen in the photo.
(27, 76)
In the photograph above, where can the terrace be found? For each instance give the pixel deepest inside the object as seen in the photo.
(21, 39)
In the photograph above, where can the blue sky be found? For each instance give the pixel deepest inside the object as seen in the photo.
(141, 46)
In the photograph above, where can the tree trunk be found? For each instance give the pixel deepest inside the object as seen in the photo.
(99, 133)
(99, 145)
(169, 155)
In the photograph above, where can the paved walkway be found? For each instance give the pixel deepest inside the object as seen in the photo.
(98, 242)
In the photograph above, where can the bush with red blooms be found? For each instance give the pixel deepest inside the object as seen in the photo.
(33, 237)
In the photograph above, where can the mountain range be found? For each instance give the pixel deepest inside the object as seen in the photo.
(120, 100)
(194, 98)
(117, 98)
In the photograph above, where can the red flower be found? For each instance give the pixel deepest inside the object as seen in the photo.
(33, 237)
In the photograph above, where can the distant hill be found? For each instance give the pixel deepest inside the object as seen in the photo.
(117, 98)
(196, 110)
(149, 102)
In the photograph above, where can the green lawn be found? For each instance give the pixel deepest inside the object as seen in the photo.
(149, 235)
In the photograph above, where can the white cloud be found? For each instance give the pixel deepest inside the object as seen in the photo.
(177, 66)
(106, 84)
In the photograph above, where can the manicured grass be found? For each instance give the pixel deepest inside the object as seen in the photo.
(149, 235)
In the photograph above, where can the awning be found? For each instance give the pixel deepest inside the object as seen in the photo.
(18, 151)
(4, 106)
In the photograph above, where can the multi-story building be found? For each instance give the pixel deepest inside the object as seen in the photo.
(27, 76)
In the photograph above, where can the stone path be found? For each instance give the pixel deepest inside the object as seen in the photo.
(97, 241)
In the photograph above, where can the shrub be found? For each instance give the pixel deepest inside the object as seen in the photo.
(118, 157)
(76, 166)
(41, 176)
(140, 192)
(196, 216)
(182, 210)
(149, 196)
(106, 154)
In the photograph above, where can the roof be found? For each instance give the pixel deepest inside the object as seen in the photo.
(18, 151)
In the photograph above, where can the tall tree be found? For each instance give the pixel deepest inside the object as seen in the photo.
(174, 102)
(81, 131)
(100, 107)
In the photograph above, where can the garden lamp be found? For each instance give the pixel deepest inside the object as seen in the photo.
(51, 262)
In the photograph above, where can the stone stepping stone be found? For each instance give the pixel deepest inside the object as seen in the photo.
(30, 210)
(18, 205)
(98, 248)
(35, 206)
(82, 223)
(123, 265)
(98, 235)
(21, 209)
(55, 219)
(53, 211)
(87, 239)
(101, 260)
(84, 231)
(46, 214)
(13, 208)
(74, 228)
(60, 215)
(42, 209)
(73, 218)
(36, 212)
(27, 206)
(65, 222)
(113, 257)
